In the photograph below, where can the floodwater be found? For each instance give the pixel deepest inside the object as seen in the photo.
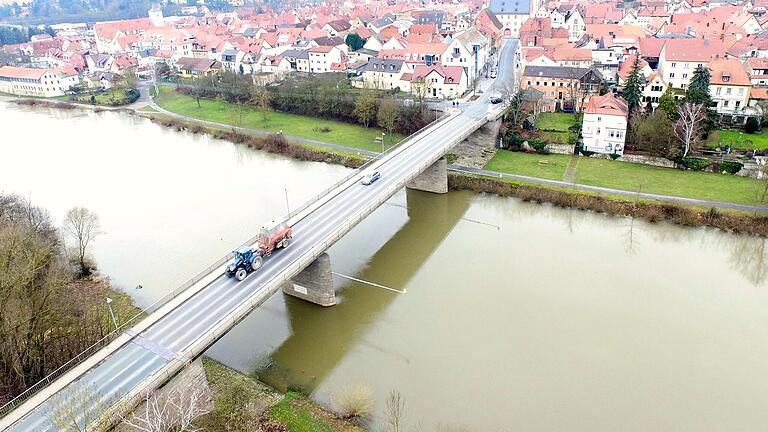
(515, 316)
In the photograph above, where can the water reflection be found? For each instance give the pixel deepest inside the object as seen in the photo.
(328, 334)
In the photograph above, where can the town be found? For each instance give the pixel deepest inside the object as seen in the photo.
(410, 197)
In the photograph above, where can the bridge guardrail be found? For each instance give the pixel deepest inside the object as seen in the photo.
(106, 340)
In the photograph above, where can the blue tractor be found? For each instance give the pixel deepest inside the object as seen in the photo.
(246, 260)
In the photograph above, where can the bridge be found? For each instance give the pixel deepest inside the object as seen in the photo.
(147, 355)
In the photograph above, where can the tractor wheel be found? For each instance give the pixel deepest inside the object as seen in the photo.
(286, 242)
(256, 264)
(240, 274)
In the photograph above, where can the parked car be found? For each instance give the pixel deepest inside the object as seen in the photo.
(496, 97)
(493, 73)
(369, 178)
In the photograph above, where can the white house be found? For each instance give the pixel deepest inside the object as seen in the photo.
(386, 74)
(575, 24)
(679, 58)
(37, 82)
(322, 58)
(438, 82)
(604, 127)
(729, 85)
(470, 50)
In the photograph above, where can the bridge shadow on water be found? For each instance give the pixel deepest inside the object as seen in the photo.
(321, 337)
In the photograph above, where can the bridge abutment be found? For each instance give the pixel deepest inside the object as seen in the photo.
(433, 179)
(314, 284)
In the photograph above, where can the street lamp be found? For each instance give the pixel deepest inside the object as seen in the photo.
(111, 312)
(382, 141)
(288, 206)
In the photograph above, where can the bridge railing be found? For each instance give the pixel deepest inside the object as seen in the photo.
(175, 292)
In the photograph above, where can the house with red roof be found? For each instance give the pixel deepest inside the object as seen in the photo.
(729, 85)
(323, 57)
(438, 81)
(604, 127)
(680, 57)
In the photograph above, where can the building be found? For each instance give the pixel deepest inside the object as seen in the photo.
(323, 58)
(385, 74)
(513, 14)
(604, 128)
(37, 82)
(196, 67)
(470, 50)
(729, 86)
(565, 88)
(438, 82)
(680, 57)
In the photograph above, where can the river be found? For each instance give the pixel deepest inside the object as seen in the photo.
(516, 316)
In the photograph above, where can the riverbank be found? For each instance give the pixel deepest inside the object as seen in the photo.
(729, 221)
(242, 403)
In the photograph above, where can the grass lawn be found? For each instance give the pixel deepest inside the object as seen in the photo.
(738, 140)
(530, 164)
(291, 124)
(665, 181)
(555, 121)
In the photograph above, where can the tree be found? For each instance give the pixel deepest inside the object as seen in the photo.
(698, 89)
(688, 128)
(175, 411)
(365, 107)
(82, 227)
(752, 125)
(655, 134)
(633, 88)
(389, 112)
(261, 98)
(394, 412)
(515, 108)
(354, 41)
(668, 104)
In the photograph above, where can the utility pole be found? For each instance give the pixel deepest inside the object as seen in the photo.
(383, 135)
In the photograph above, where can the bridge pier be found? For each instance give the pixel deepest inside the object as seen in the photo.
(314, 284)
(433, 179)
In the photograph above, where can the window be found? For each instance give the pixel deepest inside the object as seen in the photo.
(728, 90)
(741, 91)
(738, 103)
(599, 119)
(685, 75)
(725, 104)
(717, 91)
(674, 64)
(619, 134)
(672, 75)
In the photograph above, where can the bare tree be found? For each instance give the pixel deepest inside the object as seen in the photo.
(81, 226)
(81, 408)
(175, 411)
(389, 113)
(394, 412)
(688, 127)
(263, 101)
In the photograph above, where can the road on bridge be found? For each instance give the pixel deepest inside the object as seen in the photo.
(170, 338)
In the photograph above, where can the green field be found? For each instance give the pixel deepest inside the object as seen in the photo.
(291, 124)
(631, 177)
(555, 121)
(666, 181)
(551, 167)
(738, 140)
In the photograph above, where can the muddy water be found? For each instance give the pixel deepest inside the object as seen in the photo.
(516, 316)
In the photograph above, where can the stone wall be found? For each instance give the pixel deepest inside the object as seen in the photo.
(558, 148)
(641, 159)
(434, 179)
(314, 284)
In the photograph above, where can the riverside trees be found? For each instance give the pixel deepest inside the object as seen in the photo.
(47, 314)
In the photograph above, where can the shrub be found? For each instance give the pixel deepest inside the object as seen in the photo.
(538, 145)
(730, 166)
(752, 125)
(354, 401)
(615, 156)
(696, 164)
(321, 129)
(586, 153)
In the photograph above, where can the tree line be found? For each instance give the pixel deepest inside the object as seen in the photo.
(325, 96)
(51, 308)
